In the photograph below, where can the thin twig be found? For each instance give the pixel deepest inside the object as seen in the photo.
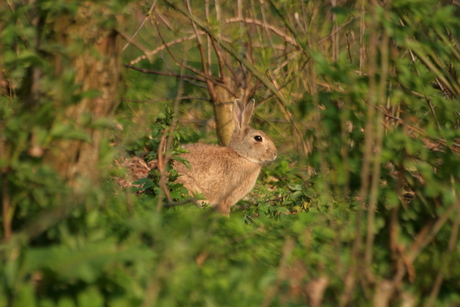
(257, 74)
(288, 39)
(168, 99)
(162, 162)
(272, 291)
(348, 48)
(163, 46)
(169, 143)
(413, 59)
(418, 130)
(6, 208)
(196, 71)
(148, 16)
(424, 237)
(164, 73)
(447, 260)
(377, 152)
(337, 30)
(204, 64)
(133, 42)
(370, 143)
(350, 278)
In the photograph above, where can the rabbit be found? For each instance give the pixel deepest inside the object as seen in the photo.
(224, 175)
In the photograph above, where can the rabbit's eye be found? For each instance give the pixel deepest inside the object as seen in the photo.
(258, 138)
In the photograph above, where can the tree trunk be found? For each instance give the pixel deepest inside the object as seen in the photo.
(222, 106)
(96, 63)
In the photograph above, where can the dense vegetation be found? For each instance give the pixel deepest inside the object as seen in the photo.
(360, 208)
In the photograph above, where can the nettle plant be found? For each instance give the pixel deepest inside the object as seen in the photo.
(159, 149)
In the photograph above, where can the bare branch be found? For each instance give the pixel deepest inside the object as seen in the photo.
(290, 40)
(133, 42)
(445, 264)
(162, 162)
(148, 16)
(6, 209)
(149, 54)
(163, 73)
(204, 64)
(168, 99)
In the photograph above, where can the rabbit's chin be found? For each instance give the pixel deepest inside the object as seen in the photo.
(254, 160)
(259, 161)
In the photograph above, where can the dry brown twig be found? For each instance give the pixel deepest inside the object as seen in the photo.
(147, 17)
(162, 162)
(148, 55)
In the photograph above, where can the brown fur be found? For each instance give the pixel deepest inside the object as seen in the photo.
(224, 175)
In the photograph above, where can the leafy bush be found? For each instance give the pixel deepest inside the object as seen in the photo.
(360, 209)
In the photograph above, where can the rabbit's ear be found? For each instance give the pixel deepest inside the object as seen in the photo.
(248, 112)
(241, 114)
(238, 111)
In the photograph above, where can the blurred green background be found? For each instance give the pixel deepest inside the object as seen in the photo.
(360, 97)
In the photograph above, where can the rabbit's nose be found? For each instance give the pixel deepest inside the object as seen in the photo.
(271, 155)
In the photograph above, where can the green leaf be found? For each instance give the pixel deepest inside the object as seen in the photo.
(91, 94)
(66, 302)
(68, 132)
(26, 296)
(103, 123)
(90, 298)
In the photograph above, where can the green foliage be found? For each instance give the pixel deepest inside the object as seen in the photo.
(374, 199)
(162, 134)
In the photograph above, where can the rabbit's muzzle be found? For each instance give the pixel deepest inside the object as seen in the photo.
(269, 155)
